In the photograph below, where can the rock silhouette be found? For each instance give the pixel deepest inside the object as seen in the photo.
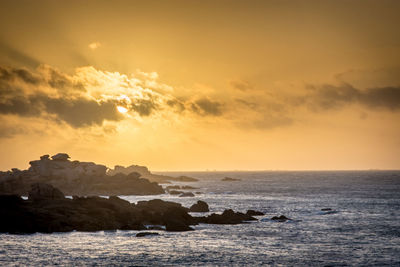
(75, 178)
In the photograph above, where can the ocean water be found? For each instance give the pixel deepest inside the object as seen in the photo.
(363, 230)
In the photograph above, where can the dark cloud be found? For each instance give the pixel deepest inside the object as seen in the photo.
(175, 103)
(330, 97)
(78, 112)
(11, 74)
(60, 81)
(144, 107)
(205, 106)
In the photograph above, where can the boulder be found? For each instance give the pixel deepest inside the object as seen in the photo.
(200, 206)
(40, 191)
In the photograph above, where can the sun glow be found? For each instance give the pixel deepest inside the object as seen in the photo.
(122, 109)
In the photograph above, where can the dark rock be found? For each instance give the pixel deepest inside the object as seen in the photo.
(326, 209)
(229, 179)
(177, 226)
(227, 217)
(143, 234)
(200, 206)
(254, 213)
(186, 194)
(155, 227)
(175, 192)
(281, 218)
(40, 191)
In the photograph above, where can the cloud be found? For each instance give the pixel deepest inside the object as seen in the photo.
(205, 106)
(17, 56)
(332, 97)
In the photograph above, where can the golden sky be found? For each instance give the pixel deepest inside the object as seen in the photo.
(196, 85)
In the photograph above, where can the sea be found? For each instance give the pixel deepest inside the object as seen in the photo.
(361, 229)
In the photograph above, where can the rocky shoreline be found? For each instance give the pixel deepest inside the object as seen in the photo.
(84, 178)
(47, 210)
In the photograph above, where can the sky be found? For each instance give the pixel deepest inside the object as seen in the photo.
(202, 85)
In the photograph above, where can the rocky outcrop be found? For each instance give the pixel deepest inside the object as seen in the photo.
(145, 173)
(47, 211)
(227, 217)
(75, 178)
(200, 206)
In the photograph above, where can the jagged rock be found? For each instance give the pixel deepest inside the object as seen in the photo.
(254, 213)
(74, 178)
(185, 179)
(40, 191)
(143, 234)
(60, 156)
(186, 194)
(227, 217)
(200, 206)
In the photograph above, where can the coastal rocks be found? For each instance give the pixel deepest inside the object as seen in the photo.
(229, 179)
(254, 213)
(143, 234)
(200, 206)
(145, 173)
(75, 178)
(40, 191)
(227, 217)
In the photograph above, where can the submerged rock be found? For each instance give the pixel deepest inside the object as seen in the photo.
(281, 218)
(186, 194)
(143, 234)
(200, 206)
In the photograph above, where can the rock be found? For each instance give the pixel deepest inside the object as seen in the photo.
(227, 217)
(229, 179)
(281, 218)
(143, 234)
(326, 209)
(40, 191)
(200, 206)
(186, 194)
(177, 226)
(75, 178)
(155, 227)
(254, 213)
(45, 157)
(59, 156)
(175, 192)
